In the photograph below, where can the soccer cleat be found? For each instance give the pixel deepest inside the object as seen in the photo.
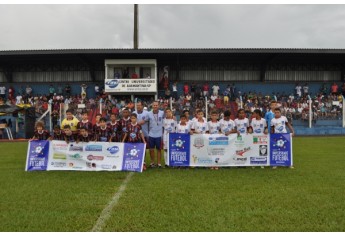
(152, 165)
(160, 166)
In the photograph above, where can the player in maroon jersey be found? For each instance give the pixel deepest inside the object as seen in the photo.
(68, 135)
(84, 135)
(134, 132)
(85, 122)
(123, 123)
(103, 133)
(114, 125)
(58, 133)
(40, 133)
(96, 125)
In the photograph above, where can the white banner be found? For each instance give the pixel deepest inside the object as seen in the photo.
(84, 156)
(130, 86)
(92, 156)
(232, 150)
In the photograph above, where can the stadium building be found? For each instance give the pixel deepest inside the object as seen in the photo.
(266, 71)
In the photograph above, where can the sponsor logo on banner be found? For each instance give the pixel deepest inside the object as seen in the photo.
(75, 156)
(59, 156)
(216, 151)
(113, 150)
(76, 148)
(57, 164)
(260, 139)
(96, 158)
(93, 148)
(218, 140)
(112, 83)
(239, 140)
(91, 165)
(199, 142)
(61, 146)
(258, 160)
(71, 165)
(201, 160)
(263, 150)
(242, 151)
(240, 160)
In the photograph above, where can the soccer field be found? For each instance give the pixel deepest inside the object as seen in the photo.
(310, 197)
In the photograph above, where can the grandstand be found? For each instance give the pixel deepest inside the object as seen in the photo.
(270, 73)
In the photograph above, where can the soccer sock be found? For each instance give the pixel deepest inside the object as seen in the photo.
(165, 157)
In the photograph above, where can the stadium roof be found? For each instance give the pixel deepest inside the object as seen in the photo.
(174, 51)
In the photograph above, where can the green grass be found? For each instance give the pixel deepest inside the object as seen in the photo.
(307, 198)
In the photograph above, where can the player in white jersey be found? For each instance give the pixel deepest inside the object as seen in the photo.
(241, 123)
(200, 126)
(186, 113)
(169, 126)
(194, 119)
(213, 124)
(278, 126)
(227, 126)
(183, 127)
(258, 124)
(279, 123)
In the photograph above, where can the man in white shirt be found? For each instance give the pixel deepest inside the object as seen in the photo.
(19, 99)
(298, 89)
(215, 89)
(155, 133)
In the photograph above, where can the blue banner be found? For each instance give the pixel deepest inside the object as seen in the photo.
(133, 156)
(179, 149)
(37, 157)
(280, 150)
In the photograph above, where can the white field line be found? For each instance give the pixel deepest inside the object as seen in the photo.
(113, 202)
